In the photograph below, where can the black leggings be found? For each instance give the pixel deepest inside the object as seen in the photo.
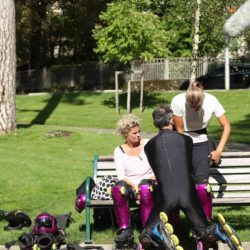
(201, 165)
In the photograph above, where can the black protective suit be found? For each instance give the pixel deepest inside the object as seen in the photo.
(170, 156)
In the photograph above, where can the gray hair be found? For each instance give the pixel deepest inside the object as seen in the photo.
(126, 123)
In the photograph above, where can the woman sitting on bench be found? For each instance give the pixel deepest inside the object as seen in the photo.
(135, 178)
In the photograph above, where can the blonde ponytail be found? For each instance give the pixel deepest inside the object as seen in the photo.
(195, 95)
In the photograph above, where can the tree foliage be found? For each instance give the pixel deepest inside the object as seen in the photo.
(60, 31)
(56, 31)
(127, 33)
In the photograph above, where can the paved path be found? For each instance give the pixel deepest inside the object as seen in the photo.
(221, 246)
(228, 147)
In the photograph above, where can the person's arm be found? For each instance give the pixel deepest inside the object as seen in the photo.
(216, 154)
(179, 124)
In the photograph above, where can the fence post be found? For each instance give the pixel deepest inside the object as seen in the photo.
(166, 69)
(72, 80)
(44, 81)
(205, 66)
(128, 96)
(100, 64)
(141, 94)
(117, 73)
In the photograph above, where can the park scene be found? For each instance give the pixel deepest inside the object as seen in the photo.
(124, 124)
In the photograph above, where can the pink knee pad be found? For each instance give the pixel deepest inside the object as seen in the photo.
(146, 201)
(80, 202)
(121, 207)
(205, 199)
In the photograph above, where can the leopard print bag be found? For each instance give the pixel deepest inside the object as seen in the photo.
(102, 191)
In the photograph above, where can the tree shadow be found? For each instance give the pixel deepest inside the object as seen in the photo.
(46, 112)
(52, 103)
(150, 100)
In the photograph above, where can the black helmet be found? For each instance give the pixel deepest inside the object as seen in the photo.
(17, 220)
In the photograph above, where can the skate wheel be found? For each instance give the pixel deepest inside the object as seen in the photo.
(35, 247)
(240, 248)
(175, 239)
(228, 229)
(54, 246)
(179, 248)
(235, 240)
(163, 217)
(221, 218)
(169, 228)
(209, 189)
(136, 189)
(123, 190)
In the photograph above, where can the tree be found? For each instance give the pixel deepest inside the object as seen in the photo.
(128, 33)
(7, 67)
(56, 31)
(196, 42)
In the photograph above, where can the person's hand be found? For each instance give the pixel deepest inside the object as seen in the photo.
(215, 157)
(135, 189)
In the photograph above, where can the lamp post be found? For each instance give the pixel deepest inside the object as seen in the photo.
(227, 64)
(230, 10)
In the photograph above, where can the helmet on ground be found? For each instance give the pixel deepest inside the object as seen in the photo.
(80, 202)
(16, 219)
(45, 223)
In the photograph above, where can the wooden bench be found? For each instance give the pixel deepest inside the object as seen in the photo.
(230, 182)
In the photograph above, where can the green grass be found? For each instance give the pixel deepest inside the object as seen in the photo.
(40, 173)
(97, 110)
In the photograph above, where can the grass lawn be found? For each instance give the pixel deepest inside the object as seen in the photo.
(40, 172)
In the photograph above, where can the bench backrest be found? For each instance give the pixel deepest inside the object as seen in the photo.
(230, 180)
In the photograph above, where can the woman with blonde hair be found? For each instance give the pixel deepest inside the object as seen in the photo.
(135, 179)
(193, 111)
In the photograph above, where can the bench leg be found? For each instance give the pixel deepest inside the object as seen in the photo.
(88, 231)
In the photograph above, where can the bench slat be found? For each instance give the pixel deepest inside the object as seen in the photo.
(221, 169)
(106, 172)
(216, 201)
(231, 195)
(235, 154)
(235, 162)
(228, 188)
(233, 179)
(231, 201)
(239, 170)
(102, 165)
(105, 158)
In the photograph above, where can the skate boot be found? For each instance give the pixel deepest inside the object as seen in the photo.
(171, 240)
(125, 239)
(227, 234)
(160, 236)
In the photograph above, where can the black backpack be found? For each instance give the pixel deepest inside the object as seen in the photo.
(16, 219)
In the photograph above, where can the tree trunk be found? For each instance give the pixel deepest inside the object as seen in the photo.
(196, 42)
(7, 67)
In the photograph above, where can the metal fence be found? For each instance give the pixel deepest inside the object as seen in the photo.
(172, 68)
(91, 76)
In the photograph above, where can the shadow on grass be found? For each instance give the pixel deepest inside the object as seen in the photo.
(51, 105)
(239, 131)
(150, 100)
